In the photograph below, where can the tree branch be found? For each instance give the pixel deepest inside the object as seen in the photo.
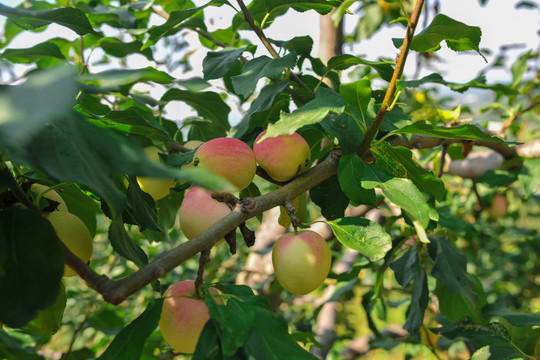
(391, 91)
(116, 291)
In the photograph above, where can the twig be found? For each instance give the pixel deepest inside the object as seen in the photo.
(78, 330)
(203, 260)
(84, 64)
(291, 211)
(513, 118)
(444, 150)
(478, 197)
(269, 47)
(390, 92)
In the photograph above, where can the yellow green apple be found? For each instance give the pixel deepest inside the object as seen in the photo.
(229, 158)
(283, 156)
(301, 261)
(74, 234)
(183, 316)
(199, 211)
(158, 188)
(50, 194)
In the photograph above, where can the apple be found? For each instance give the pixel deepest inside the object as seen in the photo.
(158, 188)
(199, 211)
(183, 316)
(301, 261)
(74, 234)
(229, 158)
(283, 156)
(499, 207)
(50, 194)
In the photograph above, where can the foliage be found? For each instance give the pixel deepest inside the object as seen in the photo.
(452, 260)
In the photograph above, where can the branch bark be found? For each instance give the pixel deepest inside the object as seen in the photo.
(391, 91)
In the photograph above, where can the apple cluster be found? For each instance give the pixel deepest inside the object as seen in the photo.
(69, 228)
(301, 259)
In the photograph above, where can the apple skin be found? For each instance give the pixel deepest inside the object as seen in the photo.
(51, 195)
(156, 187)
(283, 156)
(229, 158)
(74, 234)
(301, 261)
(199, 211)
(183, 316)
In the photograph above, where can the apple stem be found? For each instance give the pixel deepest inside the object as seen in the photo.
(203, 260)
(291, 210)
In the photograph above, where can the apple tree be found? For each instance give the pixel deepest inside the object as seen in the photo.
(407, 215)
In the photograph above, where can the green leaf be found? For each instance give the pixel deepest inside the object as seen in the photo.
(270, 339)
(479, 83)
(209, 105)
(129, 342)
(516, 318)
(174, 23)
(529, 175)
(398, 161)
(52, 93)
(124, 245)
(47, 322)
(321, 6)
(329, 197)
(131, 121)
(343, 62)
(350, 175)
(217, 63)
(28, 55)
(71, 18)
(13, 348)
(72, 149)
(31, 262)
(363, 235)
(302, 45)
(458, 306)
(406, 269)
(257, 68)
(450, 268)
(245, 327)
(357, 95)
(346, 129)
(233, 321)
(401, 192)
(491, 333)
(141, 207)
(127, 77)
(120, 49)
(458, 36)
(313, 112)
(496, 352)
(263, 102)
(461, 132)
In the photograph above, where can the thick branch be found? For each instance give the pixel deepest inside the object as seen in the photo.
(116, 291)
(391, 91)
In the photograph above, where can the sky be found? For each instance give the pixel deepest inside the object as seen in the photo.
(500, 22)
